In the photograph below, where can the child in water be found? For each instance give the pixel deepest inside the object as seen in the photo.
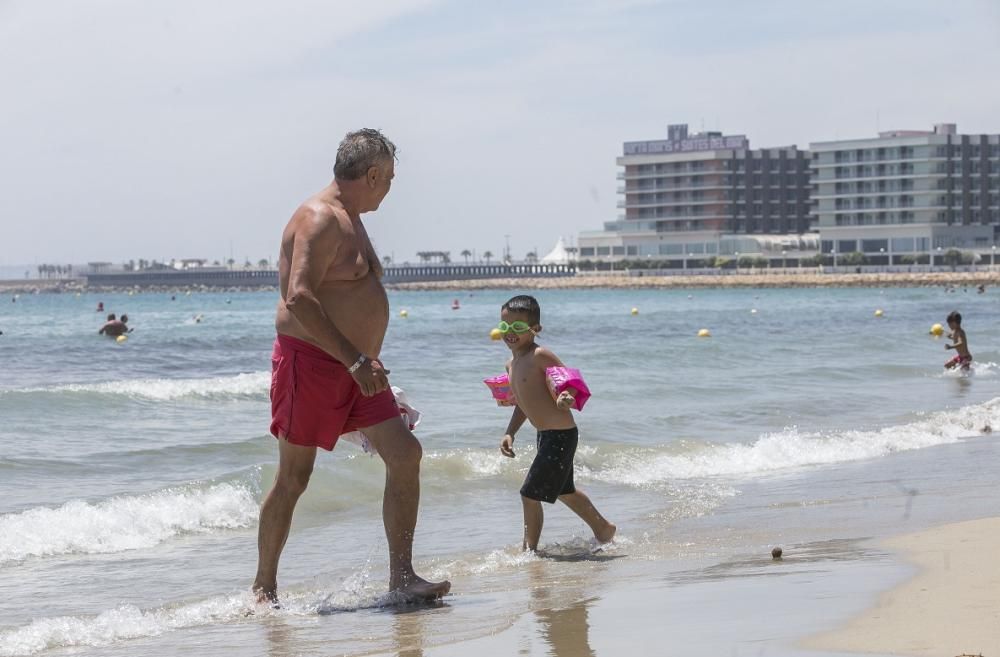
(959, 344)
(551, 474)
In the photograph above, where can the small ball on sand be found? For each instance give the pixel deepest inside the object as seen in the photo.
(776, 553)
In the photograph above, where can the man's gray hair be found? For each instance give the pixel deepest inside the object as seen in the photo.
(359, 151)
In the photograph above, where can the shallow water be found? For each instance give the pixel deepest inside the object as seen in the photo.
(130, 474)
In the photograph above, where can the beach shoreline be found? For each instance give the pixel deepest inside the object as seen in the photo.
(949, 607)
(581, 281)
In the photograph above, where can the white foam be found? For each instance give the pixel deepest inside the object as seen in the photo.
(120, 624)
(125, 523)
(793, 448)
(253, 384)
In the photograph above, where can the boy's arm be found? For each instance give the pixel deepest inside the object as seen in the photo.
(516, 422)
(957, 339)
(546, 359)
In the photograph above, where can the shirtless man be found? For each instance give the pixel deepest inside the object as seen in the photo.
(113, 327)
(327, 378)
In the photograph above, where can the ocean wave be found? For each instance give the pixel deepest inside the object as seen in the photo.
(794, 448)
(788, 449)
(250, 385)
(115, 625)
(126, 522)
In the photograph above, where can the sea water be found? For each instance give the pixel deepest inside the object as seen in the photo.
(131, 473)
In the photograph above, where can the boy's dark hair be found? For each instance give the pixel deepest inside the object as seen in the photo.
(955, 316)
(522, 303)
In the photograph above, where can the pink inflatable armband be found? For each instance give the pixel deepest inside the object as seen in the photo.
(500, 387)
(564, 378)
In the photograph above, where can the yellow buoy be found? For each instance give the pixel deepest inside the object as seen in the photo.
(404, 313)
(879, 313)
(635, 311)
(937, 330)
(704, 333)
(496, 334)
(121, 339)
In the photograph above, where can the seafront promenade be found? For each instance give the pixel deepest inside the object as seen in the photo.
(527, 279)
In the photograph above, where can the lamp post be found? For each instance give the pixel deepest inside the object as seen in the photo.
(881, 254)
(993, 261)
(737, 254)
(784, 264)
(833, 252)
(933, 261)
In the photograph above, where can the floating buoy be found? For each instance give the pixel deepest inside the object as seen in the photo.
(121, 339)
(635, 311)
(188, 293)
(704, 333)
(879, 313)
(404, 313)
(496, 334)
(455, 305)
(753, 311)
(937, 330)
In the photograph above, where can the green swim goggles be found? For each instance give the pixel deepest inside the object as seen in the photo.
(514, 327)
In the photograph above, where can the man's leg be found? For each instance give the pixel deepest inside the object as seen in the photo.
(581, 505)
(401, 453)
(295, 464)
(534, 517)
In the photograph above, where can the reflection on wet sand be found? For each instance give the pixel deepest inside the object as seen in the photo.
(408, 631)
(565, 630)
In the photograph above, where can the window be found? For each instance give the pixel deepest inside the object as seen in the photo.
(671, 249)
(618, 250)
(847, 246)
(603, 250)
(902, 245)
(873, 246)
(632, 250)
(586, 251)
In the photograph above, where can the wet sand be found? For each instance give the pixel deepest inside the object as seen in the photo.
(951, 607)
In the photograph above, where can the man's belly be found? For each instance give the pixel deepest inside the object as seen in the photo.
(359, 310)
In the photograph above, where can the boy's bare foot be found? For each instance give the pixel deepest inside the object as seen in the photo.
(417, 589)
(607, 534)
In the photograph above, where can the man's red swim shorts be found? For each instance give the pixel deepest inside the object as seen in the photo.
(314, 400)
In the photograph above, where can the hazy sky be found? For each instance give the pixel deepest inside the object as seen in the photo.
(185, 128)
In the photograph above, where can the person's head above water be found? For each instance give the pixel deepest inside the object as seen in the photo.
(111, 317)
(124, 318)
(520, 321)
(365, 168)
(954, 319)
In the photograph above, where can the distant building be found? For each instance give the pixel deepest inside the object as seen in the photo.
(690, 198)
(906, 195)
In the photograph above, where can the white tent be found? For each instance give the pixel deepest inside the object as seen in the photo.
(558, 255)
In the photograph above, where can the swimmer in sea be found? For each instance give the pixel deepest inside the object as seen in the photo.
(959, 343)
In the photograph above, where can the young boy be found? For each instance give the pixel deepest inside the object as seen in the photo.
(551, 474)
(959, 343)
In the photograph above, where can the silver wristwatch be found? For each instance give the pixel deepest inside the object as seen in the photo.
(358, 363)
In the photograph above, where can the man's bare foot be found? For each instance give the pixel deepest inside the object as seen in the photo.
(607, 534)
(417, 589)
(267, 596)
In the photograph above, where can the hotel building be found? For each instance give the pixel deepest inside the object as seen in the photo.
(907, 195)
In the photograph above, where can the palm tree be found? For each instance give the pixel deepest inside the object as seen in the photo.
(531, 257)
(230, 262)
(387, 260)
(487, 255)
(465, 254)
(262, 263)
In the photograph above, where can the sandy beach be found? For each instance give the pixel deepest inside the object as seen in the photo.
(949, 608)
